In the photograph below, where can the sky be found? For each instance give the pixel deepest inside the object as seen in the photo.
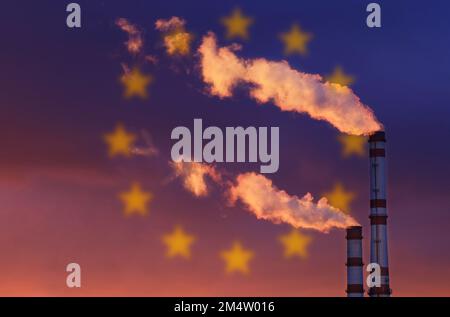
(60, 190)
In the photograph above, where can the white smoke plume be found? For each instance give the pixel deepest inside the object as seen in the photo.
(268, 202)
(194, 176)
(287, 88)
(135, 41)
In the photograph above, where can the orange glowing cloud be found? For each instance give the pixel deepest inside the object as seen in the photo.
(135, 41)
(268, 202)
(194, 176)
(287, 88)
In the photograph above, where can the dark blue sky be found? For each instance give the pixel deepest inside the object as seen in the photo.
(60, 92)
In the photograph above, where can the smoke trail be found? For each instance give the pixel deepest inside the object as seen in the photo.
(174, 23)
(135, 42)
(263, 199)
(267, 202)
(194, 176)
(289, 89)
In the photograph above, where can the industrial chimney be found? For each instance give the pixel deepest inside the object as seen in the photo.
(378, 212)
(354, 263)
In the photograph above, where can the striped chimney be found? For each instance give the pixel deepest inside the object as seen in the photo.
(378, 212)
(355, 287)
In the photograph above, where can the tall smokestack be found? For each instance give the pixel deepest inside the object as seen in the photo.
(354, 263)
(378, 212)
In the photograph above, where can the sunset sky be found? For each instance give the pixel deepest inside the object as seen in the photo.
(62, 190)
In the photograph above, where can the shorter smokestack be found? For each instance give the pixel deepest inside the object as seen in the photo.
(354, 263)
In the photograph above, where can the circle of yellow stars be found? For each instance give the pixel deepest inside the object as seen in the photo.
(136, 199)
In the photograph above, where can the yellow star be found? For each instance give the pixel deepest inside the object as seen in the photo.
(295, 243)
(237, 24)
(119, 141)
(135, 200)
(237, 258)
(352, 144)
(340, 198)
(178, 243)
(295, 40)
(339, 77)
(135, 83)
(178, 42)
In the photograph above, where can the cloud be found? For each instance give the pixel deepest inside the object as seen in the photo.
(177, 40)
(174, 23)
(287, 88)
(194, 176)
(135, 41)
(268, 202)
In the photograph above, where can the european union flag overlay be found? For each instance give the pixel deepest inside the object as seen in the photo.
(225, 148)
